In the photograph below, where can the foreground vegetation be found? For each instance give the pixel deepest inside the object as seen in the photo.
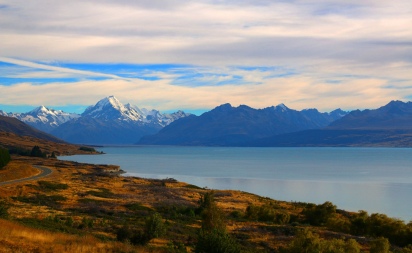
(86, 208)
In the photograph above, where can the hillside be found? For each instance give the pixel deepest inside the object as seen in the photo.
(88, 208)
(79, 206)
(12, 125)
(13, 141)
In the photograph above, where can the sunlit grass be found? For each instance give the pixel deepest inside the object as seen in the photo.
(17, 238)
(16, 170)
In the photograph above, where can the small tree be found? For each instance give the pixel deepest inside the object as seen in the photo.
(213, 237)
(36, 152)
(154, 227)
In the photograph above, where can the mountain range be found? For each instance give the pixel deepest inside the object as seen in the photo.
(106, 122)
(386, 126)
(227, 125)
(111, 122)
(15, 126)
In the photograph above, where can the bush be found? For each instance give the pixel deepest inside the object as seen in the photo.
(4, 157)
(4, 207)
(51, 186)
(306, 241)
(380, 245)
(19, 151)
(124, 234)
(267, 213)
(154, 226)
(216, 241)
(36, 152)
(318, 215)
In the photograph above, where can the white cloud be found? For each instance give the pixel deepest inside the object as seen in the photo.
(365, 45)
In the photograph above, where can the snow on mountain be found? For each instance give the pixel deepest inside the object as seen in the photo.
(156, 117)
(110, 108)
(44, 119)
(3, 113)
(282, 107)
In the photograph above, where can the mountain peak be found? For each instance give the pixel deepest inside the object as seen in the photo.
(282, 106)
(40, 109)
(112, 101)
(224, 107)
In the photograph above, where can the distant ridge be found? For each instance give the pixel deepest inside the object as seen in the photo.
(394, 115)
(387, 126)
(226, 125)
(15, 126)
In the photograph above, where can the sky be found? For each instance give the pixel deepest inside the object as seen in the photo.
(195, 55)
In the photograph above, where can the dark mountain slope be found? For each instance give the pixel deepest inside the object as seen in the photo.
(387, 126)
(394, 115)
(227, 125)
(87, 130)
(337, 138)
(12, 125)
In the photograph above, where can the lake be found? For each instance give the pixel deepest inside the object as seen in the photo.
(378, 180)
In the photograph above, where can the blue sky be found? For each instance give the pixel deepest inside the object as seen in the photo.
(195, 55)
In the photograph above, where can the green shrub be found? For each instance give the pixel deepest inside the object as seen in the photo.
(102, 193)
(267, 213)
(216, 241)
(154, 226)
(124, 234)
(4, 207)
(308, 242)
(176, 247)
(4, 157)
(318, 215)
(42, 200)
(19, 151)
(380, 245)
(51, 186)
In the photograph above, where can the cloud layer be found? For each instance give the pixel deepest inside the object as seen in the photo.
(312, 53)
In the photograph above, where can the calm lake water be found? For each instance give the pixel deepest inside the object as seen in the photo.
(378, 180)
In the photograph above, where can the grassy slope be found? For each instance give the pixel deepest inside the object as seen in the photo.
(58, 211)
(9, 140)
(112, 201)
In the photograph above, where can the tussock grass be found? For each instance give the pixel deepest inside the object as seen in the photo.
(17, 238)
(17, 169)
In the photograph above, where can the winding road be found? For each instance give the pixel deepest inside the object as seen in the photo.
(44, 171)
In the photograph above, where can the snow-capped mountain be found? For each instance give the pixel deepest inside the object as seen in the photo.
(111, 122)
(43, 118)
(156, 117)
(3, 113)
(110, 108)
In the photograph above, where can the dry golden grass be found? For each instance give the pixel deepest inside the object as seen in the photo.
(83, 180)
(16, 170)
(17, 238)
